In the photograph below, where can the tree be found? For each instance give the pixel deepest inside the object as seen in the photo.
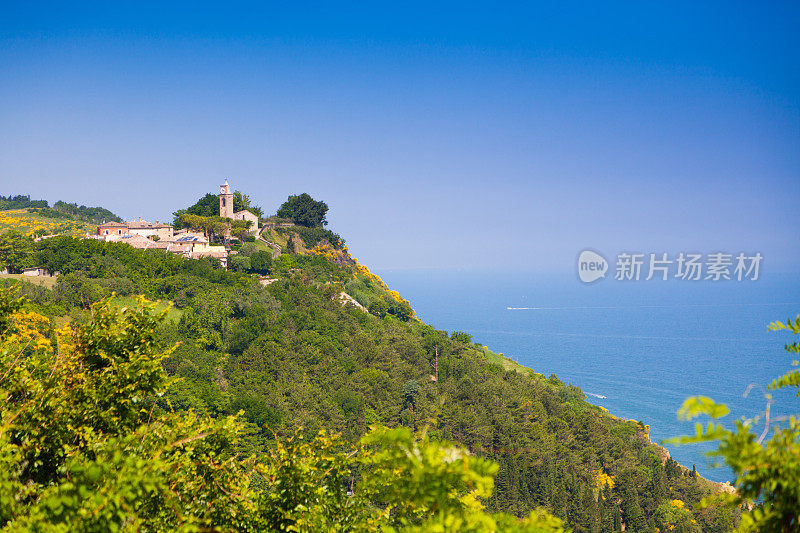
(410, 394)
(304, 210)
(261, 262)
(93, 214)
(239, 263)
(207, 206)
(241, 202)
(20, 201)
(15, 250)
(190, 221)
(211, 226)
(240, 229)
(673, 516)
(87, 444)
(214, 226)
(248, 249)
(83, 445)
(75, 290)
(461, 336)
(767, 474)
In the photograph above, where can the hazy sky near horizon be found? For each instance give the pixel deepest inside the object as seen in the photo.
(441, 136)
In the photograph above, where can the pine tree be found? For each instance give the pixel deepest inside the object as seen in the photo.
(617, 520)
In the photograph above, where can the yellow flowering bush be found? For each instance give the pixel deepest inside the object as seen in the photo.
(603, 480)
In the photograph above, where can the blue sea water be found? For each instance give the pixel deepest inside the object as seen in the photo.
(636, 348)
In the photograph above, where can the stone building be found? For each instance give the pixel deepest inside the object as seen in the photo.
(226, 208)
(247, 215)
(112, 228)
(135, 227)
(148, 229)
(225, 201)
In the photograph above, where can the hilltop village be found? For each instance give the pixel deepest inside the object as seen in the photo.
(186, 242)
(223, 228)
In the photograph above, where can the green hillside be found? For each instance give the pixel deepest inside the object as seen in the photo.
(37, 217)
(292, 355)
(31, 222)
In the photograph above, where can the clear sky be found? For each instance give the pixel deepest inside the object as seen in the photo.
(441, 135)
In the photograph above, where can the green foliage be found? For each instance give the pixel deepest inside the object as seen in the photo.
(207, 206)
(20, 201)
(239, 263)
(9, 304)
(304, 211)
(83, 445)
(410, 394)
(374, 295)
(388, 306)
(261, 262)
(791, 378)
(241, 202)
(292, 355)
(76, 290)
(248, 249)
(87, 444)
(672, 516)
(404, 483)
(97, 215)
(767, 474)
(240, 228)
(461, 336)
(15, 251)
(315, 235)
(209, 225)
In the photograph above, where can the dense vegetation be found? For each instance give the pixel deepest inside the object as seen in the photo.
(61, 209)
(294, 354)
(304, 211)
(89, 443)
(19, 201)
(208, 207)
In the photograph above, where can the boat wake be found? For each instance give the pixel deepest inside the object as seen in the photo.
(596, 395)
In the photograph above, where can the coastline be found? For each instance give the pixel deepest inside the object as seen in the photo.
(663, 453)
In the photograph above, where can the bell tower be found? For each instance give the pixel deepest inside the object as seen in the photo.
(225, 201)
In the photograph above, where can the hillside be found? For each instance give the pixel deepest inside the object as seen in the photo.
(291, 355)
(37, 217)
(36, 223)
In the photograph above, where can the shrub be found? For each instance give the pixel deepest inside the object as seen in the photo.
(461, 336)
(261, 262)
(239, 263)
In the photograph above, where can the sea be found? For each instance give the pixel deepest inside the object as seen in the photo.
(636, 348)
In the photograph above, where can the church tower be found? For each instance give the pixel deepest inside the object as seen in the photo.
(225, 201)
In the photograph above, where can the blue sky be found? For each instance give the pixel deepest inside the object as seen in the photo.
(460, 135)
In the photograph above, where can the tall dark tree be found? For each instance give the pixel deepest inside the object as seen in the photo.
(410, 394)
(207, 206)
(304, 210)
